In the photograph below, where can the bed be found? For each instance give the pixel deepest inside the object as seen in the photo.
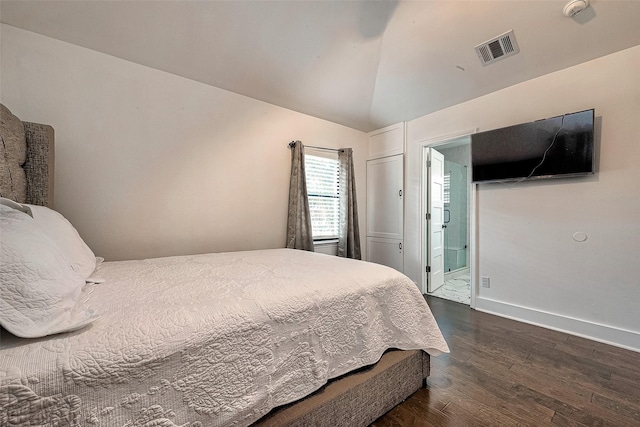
(272, 337)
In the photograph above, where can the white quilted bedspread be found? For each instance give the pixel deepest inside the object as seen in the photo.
(212, 340)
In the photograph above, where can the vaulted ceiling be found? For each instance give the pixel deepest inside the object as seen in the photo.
(364, 64)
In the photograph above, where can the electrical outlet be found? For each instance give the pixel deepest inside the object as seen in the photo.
(486, 282)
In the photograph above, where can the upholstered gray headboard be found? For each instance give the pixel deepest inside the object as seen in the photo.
(26, 160)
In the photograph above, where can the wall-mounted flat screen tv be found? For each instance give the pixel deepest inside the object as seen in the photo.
(550, 148)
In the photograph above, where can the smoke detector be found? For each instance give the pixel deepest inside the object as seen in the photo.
(574, 7)
(497, 48)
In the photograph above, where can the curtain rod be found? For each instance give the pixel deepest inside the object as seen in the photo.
(292, 143)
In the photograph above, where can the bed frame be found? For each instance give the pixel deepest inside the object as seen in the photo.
(355, 399)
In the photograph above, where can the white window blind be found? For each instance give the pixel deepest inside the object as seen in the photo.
(323, 190)
(447, 188)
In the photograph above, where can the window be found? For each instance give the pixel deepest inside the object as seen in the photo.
(323, 190)
(447, 188)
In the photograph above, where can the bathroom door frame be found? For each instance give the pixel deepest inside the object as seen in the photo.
(441, 142)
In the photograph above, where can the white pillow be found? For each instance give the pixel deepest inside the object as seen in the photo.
(16, 206)
(71, 245)
(39, 291)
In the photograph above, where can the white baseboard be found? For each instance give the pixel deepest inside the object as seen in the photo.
(626, 339)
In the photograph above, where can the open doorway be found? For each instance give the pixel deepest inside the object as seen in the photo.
(447, 192)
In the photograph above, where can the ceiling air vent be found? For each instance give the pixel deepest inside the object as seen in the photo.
(497, 48)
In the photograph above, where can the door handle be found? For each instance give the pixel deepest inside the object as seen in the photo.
(444, 225)
(400, 246)
(400, 193)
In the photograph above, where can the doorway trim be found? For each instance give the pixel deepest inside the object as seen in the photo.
(440, 141)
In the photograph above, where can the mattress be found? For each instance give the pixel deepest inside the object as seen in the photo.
(212, 340)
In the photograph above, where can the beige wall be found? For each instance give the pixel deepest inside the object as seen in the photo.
(524, 241)
(151, 164)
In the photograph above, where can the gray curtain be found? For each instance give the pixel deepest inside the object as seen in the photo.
(299, 218)
(349, 239)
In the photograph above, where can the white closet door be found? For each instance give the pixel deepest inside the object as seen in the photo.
(385, 197)
(387, 141)
(386, 252)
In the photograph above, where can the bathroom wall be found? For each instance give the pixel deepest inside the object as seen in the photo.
(455, 215)
(457, 161)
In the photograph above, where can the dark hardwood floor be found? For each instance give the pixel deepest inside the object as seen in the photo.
(505, 373)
